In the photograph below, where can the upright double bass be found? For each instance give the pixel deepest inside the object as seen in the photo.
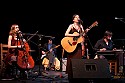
(24, 59)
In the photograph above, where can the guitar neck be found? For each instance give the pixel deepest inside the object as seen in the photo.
(53, 48)
(84, 32)
(94, 24)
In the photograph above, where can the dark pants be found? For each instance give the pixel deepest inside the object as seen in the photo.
(51, 59)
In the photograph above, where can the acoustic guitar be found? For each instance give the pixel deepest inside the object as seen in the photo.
(70, 43)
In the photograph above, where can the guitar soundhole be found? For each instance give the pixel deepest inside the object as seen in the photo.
(74, 43)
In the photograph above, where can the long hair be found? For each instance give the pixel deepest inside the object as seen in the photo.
(12, 30)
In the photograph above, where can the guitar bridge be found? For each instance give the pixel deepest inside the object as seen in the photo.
(74, 43)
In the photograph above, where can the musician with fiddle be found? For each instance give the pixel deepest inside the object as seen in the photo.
(16, 53)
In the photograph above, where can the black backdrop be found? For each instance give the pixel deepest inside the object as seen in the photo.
(51, 18)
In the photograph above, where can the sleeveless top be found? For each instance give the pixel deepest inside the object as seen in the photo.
(77, 53)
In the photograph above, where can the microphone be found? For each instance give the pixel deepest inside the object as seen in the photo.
(118, 18)
(80, 21)
(19, 32)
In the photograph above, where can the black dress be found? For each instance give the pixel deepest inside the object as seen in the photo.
(76, 54)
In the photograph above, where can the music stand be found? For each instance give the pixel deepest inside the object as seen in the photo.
(39, 49)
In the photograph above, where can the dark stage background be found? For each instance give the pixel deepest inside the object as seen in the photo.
(51, 18)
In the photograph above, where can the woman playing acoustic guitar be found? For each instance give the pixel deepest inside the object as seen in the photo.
(74, 48)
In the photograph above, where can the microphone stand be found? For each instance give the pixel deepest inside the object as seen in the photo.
(122, 20)
(39, 54)
(123, 51)
(123, 60)
(39, 46)
(123, 48)
(86, 46)
(32, 36)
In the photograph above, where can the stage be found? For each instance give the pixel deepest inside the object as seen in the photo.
(37, 75)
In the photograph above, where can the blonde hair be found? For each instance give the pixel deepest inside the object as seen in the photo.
(13, 26)
(12, 30)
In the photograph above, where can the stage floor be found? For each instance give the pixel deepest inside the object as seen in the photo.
(37, 75)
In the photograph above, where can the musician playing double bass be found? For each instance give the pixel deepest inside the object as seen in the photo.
(17, 51)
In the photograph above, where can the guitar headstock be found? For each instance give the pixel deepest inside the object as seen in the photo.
(57, 46)
(93, 24)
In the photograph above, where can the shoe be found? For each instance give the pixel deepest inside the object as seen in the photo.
(52, 68)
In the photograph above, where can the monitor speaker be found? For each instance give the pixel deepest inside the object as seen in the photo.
(90, 68)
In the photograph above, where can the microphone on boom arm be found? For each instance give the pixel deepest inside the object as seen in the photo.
(118, 18)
